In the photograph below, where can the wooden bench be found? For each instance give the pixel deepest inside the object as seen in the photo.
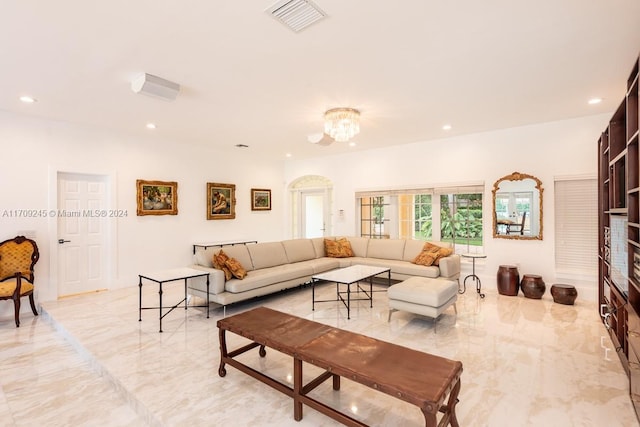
(419, 378)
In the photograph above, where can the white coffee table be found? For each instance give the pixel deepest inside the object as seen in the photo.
(165, 276)
(349, 276)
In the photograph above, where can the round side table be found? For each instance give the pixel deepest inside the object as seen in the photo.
(473, 274)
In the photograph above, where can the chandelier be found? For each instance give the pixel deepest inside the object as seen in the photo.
(342, 124)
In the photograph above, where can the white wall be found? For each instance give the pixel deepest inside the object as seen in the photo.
(546, 151)
(34, 150)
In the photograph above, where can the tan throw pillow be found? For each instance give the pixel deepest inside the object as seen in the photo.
(340, 248)
(219, 263)
(425, 258)
(437, 251)
(345, 247)
(442, 252)
(236, 268)
(430, 247)
(331, 248)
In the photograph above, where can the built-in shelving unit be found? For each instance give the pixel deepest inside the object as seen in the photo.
(619, 232)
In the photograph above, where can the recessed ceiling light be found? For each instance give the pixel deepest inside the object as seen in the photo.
(594, 101)
(352, 144)
(27, 99)
(446, 127)
(288, 155)
(151, 125)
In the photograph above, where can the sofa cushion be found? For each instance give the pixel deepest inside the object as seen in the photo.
(402, 267)
(269, 254)
(236, 268)
(269, 276)
(204, 257)
(411, 249)
(318, 247)
(359, 245)
(386, 248)
(241, 253)
(340, 248)
(299, 250)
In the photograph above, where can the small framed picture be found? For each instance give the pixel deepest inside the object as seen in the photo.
(157, 197)
(260, 199)
(221, 201)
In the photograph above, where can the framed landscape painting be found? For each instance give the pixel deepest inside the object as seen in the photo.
(221, 201)
(157, 197)
(260, 199)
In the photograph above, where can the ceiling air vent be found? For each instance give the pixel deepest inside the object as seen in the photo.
(296, 14)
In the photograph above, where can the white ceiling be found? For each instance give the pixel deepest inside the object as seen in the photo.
(409, 66)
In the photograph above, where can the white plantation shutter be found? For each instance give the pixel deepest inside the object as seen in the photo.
(576, 226)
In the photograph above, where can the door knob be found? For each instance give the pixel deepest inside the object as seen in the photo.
(61, 241)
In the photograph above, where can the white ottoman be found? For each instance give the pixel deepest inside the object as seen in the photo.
(421, 295)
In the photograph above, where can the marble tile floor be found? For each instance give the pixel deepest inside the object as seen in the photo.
(88, 361)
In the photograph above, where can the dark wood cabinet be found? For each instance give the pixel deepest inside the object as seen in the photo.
(619, 232)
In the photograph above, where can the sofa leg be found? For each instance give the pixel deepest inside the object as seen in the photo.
(391, 310)
(455, 308)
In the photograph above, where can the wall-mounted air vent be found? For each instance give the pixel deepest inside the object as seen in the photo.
(296, 14)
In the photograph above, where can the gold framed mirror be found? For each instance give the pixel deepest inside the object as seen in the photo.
(517, 207)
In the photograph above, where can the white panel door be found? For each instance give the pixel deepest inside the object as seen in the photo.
(314, 215)
(82, 233)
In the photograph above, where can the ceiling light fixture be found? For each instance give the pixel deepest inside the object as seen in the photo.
(27, 99)
(151, 125)
(446, 127)
(342, 124)
(594, 101)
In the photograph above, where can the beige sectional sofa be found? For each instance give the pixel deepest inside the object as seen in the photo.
(275, 266)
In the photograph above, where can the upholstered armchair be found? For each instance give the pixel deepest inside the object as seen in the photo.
(17, 258)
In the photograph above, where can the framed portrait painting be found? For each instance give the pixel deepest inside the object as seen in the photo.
(260, 199)
(156, 197)
(221, 201)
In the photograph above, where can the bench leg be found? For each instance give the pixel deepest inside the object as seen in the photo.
(297, 389)
(223, 352)
(449, 411)
(391, 310)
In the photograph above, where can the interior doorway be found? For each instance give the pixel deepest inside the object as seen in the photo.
(311, 206)
(313, 214)
(83, 228)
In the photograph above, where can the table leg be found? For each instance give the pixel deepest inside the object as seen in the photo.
(371, 291)
(349, 301)
(140, 299)
(160, 308)
(477, 279)
(207, 296)
(313, 295)
(186, 301)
